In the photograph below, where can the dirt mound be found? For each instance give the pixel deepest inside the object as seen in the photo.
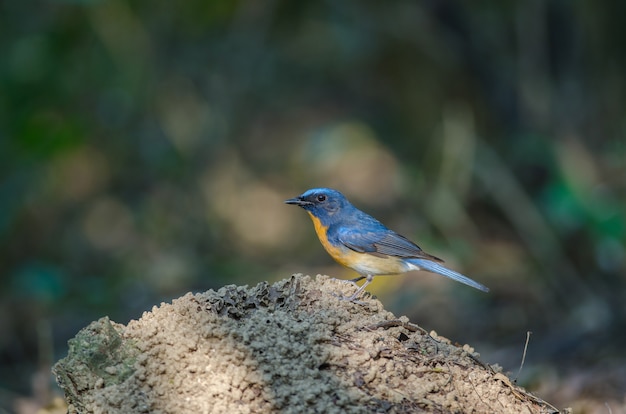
(288, 347)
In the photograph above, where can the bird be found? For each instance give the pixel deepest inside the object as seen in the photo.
(358, 241)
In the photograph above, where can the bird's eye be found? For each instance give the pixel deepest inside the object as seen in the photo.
(321, 198)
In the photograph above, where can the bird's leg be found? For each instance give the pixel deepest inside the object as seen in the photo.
(356, 279)
(359, 291)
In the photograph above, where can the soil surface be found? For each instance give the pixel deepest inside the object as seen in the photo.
(290, 347)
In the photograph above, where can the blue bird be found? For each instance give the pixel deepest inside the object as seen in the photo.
(360, 242)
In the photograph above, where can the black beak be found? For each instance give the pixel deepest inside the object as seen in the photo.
(297, 201)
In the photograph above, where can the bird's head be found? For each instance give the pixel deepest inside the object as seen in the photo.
(322, 203)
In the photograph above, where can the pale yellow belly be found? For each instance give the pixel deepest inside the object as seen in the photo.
(367, 264)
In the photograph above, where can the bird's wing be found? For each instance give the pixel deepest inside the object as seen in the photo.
(384, 243)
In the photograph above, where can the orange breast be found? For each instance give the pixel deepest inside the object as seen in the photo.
(337, 253)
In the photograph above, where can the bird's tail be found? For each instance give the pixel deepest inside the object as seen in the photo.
(435, 267)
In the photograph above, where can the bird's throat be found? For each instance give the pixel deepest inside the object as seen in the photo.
(320, 229)
(336, 252)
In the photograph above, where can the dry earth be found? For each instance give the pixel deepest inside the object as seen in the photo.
(290, 347)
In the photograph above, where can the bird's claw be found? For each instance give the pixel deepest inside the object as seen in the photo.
(352, 298)
(359, 291)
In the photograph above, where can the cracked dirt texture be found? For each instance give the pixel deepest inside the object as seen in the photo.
(290, 347)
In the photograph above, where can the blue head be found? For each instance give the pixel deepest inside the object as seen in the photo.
(323, 203)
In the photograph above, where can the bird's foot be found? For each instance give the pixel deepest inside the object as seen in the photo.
(358, 292)
(351, 298)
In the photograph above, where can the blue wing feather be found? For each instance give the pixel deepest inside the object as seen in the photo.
(383, 242)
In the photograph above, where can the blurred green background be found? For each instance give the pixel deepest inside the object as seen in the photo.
(146, 149)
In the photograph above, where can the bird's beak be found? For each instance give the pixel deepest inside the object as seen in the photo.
(297, 201)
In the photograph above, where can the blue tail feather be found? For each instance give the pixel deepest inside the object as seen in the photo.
(435, 267)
